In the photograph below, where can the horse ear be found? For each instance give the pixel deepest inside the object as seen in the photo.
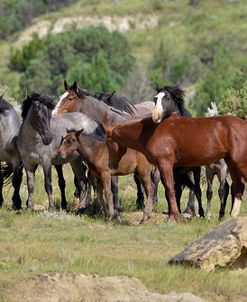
(178, 92)
(112, 94)
(158, 89)
(74, 86)
(79, 132)
(66, 85)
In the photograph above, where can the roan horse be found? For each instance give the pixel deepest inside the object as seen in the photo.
(39, 138)
(75, 100)
(177, 141)
(10, 123)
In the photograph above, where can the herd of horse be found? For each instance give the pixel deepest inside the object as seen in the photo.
(103, 136)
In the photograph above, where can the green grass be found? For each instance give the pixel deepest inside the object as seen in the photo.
(39, 242)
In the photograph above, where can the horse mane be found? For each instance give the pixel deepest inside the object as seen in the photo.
(36, 97)
(4, 105)
(178, 96)
(119, 102)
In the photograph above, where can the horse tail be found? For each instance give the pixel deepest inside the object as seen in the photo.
(6, 173)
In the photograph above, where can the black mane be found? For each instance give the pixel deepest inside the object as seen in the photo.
(36, 97)
(4, 105)
(178, 96)
(119, 102)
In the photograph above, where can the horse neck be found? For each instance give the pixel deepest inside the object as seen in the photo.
(27, 131)
(99, 111)
(133, 135)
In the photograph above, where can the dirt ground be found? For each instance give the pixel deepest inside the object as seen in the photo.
(89, 288)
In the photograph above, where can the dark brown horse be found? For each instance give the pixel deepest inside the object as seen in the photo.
(177, 141)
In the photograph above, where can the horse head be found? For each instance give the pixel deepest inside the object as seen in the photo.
(167, 101)
(38, 108)
(69, 144)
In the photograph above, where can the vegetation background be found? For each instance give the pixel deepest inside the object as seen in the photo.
(133, 47)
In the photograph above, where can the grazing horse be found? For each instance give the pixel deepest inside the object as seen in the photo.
(10, 123)
(177, 141)
(76, 100)
(39, 138)
(95, 154)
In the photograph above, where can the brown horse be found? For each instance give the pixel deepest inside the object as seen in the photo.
(177, 141)
(96, 154)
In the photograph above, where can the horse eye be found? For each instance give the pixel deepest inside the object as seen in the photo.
(155, 100)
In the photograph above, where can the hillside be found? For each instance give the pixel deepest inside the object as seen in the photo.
(190, 33)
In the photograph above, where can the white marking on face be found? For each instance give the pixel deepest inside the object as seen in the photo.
(158, 109)
(159, 97)
(61, 98)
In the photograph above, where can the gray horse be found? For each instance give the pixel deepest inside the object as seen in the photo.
(40, 137)
(10, 123)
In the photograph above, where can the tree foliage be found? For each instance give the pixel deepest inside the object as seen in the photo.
(17, 14)
(224, 72)
(96, 58)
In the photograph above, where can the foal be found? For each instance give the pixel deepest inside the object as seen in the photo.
(96, 154)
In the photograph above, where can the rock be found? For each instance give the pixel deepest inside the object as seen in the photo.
(55, 287)
(226, 245)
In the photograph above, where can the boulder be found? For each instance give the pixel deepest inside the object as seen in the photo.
(224, 246)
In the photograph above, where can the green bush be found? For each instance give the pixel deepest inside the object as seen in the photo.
(226, 71)
(96, 58)
(234, 102)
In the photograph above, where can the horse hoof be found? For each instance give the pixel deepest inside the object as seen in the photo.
(186, 216)
(80, 211)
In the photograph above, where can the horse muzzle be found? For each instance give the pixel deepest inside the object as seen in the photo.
(47, 140)
(156, 117)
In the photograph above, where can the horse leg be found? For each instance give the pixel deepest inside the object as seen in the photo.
(1, 190)
(16, 182)
(237, 186)
(178, 187)
(146, 180)
(62, 185)
(106, 181)
(209, 192)
(140, 193)
(82, 180)
(114, 189)
(188, 181)
(198, 192)
(223, 190)
(166, 172)
(48, 184)
(155, 175)
(30, 173)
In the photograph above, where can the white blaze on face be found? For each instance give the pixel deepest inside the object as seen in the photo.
(158, 109)
(61, 98)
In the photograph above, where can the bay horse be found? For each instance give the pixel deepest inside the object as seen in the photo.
(39, 138)
(74, 99)
(10, 122)
(173, 102)
(177, 141)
